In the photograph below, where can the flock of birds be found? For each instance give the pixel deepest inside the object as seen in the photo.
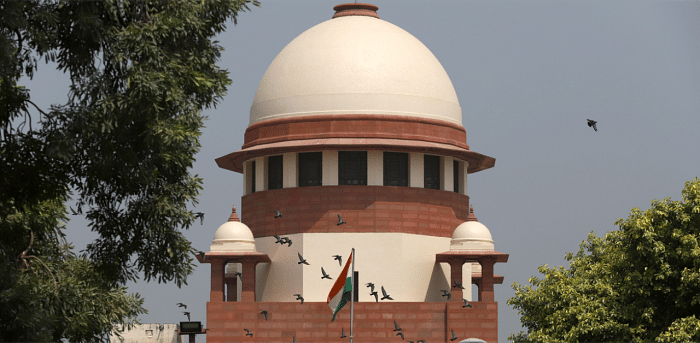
(385, 296)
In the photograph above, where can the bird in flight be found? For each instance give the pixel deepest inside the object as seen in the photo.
(343, 335)
(591, 123)
(371, 285)
(454, 337)
(279, 240)
(181, 305)
(466, 304)
(200, 215)
(302, 260)
(286, 240)
(457, 284)
(201, 253)
(278, 214)
(386, 296)
(376, 296)
(248, 333)
(239, 274)
(400, 334)
(295, 339)
(339, 258)
(325, 276)
(396, 327)
(341, 221)
(264, 313)
(188, 315)
(299, 297)
(447, 294)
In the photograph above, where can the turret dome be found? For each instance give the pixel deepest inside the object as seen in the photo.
(233, 236)
(471, 235)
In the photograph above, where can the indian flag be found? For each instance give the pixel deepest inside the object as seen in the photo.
(341, 292)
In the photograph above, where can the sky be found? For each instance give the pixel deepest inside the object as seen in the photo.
(528, 74)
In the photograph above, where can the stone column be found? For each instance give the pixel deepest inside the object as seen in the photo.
(217, 281)
(248, 283)
(486, 287)
(456, 274)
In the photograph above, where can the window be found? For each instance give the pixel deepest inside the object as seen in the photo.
(252, 177)
(395, 169)
(455, 176)
(310, 172)
(352, 167)
(274, 172)
(431, 172)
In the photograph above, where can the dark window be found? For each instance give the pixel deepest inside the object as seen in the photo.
(352, 167)
(455, 173)
(274, 172)
(252, 177)
(395, 169)
(310, 169)
(431, 172)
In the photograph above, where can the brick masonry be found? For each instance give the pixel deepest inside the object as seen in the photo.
(365, 209)
(374, 322)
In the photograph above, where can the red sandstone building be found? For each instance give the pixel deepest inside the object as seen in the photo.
(357, 118)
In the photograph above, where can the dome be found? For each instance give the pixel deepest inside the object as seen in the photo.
(471, 235)
(356, 64)
(233, 236)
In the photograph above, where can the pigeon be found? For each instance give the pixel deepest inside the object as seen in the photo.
(201, 253)
(339, 258)
(286, 240)
(341, 221)
(181, 305)
(386, 296)
(422, 341)
(299, 297)
(200, 215)
(343, 335)
(371, 285)
(325, 276)
(279, 240)
(466, 303)
(302, 260)
(294, 339)
(265, 313)
(248, 333)
(396, 326)
(411, 342)
(454, 337)
(400, 334)
(278, 214)
(188, 315)
(447, 294)
(591, 123)
(239, 274)
(457, 284)
(376, 296)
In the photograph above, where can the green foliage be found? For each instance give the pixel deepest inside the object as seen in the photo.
(122, 145)
(640, 283)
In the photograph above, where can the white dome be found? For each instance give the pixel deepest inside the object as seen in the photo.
(471, 235)
(233, 236)
(356, 65)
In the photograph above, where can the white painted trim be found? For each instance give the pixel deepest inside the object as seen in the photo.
(330, 168)
(375, 168)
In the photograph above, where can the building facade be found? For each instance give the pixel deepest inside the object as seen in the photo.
(355, 141)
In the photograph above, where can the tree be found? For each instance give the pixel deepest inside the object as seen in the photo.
(122, 147)
(640, 283)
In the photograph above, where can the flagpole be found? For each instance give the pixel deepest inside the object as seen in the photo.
(352, 301)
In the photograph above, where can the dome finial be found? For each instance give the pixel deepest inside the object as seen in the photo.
(234, 216)
(471, 217)
(367, 10)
